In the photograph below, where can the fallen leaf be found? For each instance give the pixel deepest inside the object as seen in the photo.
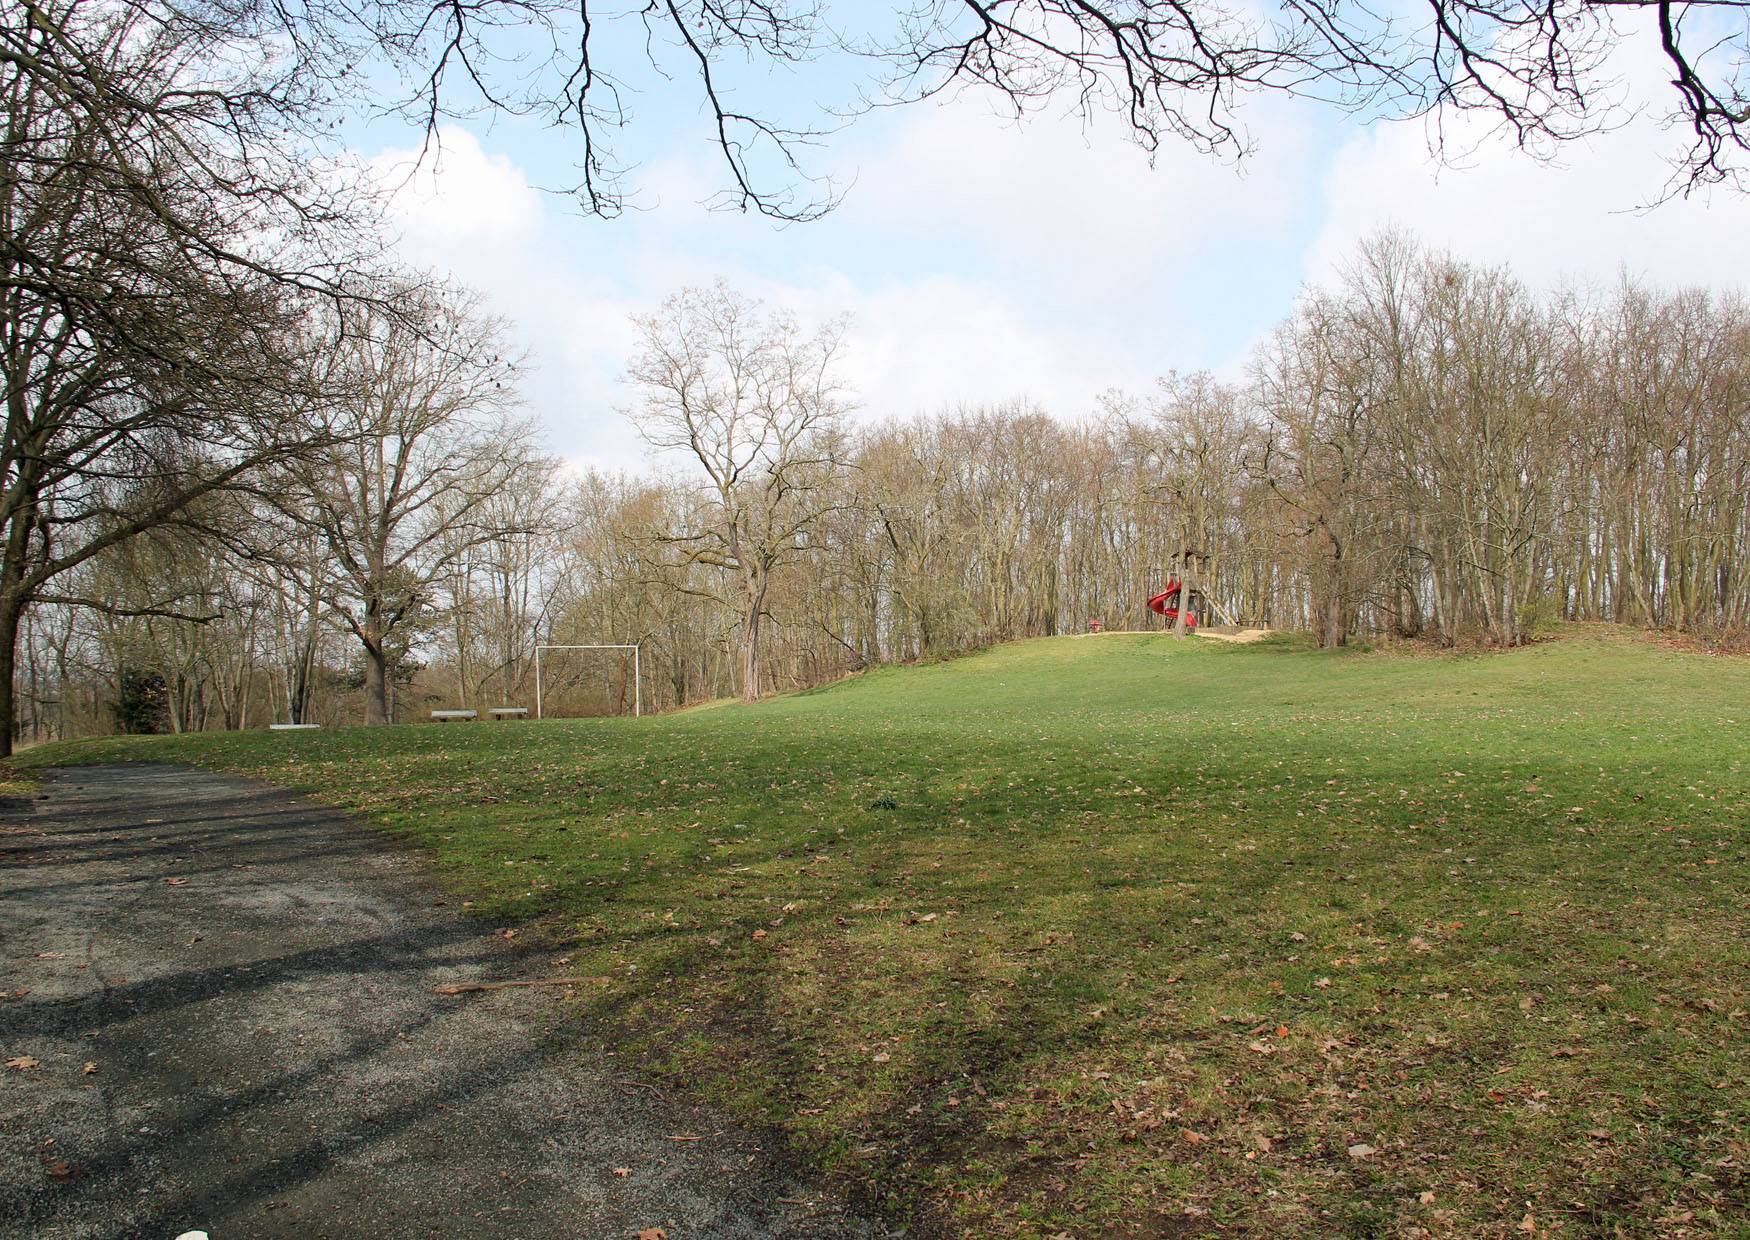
(59, 1171)
(652, 1233)
(1322, 983)
(1362, 1150)
(176, 882)
(1193, 1138)
(19, 1063)
(759, 934)
(882, 1057)
(1426, 1197)
(1282, 1031)
(622, 1172)
(1527, 1224)
(90, 1069)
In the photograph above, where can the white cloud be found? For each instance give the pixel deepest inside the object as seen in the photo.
(474, 215)
(981, 263)
(455, 195)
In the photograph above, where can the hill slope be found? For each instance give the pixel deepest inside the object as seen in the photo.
(1121, 936)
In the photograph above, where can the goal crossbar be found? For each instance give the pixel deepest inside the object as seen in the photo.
(637, 674)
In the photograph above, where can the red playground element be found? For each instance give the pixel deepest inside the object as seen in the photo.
(1166, 604)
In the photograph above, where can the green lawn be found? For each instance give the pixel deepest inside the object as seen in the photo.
(1121, 937)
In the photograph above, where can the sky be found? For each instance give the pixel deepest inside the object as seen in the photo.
(980, 261)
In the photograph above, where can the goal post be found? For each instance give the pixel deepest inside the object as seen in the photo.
(637, 674)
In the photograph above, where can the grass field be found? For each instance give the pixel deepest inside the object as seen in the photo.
(1121, 937)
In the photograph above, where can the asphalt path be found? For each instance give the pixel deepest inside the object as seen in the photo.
(220, 1015)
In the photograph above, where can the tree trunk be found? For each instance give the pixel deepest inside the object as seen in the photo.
(1184, 598)
(10, 613)
(1336, 634)
(376, 667)
(756, 581)
(376, 686)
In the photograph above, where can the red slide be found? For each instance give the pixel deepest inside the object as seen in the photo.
(1166, 604)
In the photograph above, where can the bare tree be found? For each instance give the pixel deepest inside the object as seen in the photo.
(756, 403)
(499, 583)
(426, 443)
(160, 234)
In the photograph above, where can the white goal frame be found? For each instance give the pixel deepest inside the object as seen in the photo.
(637, 675)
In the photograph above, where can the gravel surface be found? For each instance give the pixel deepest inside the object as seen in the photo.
(219, 1015)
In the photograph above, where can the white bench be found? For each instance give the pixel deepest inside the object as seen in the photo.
(508, 712)
(292, 727)
(445, 716)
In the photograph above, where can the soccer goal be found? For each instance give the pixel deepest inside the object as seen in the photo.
(637, 675)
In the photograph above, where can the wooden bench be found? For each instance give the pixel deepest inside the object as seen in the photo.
(502, 713)
(292, 727)
(447, 716)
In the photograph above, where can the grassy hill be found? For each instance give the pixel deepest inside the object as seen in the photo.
(1117, 936)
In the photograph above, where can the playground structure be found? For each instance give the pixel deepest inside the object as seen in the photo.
(1182, 594)
(1166, 604)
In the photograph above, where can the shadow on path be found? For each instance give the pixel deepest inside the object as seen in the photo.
(256, 1048)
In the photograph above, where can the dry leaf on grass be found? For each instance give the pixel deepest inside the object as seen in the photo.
(652, 1233)
(19, 1063)
(1362, 1150)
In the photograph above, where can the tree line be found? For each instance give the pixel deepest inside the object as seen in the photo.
(1425, 450)
(252, 470)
